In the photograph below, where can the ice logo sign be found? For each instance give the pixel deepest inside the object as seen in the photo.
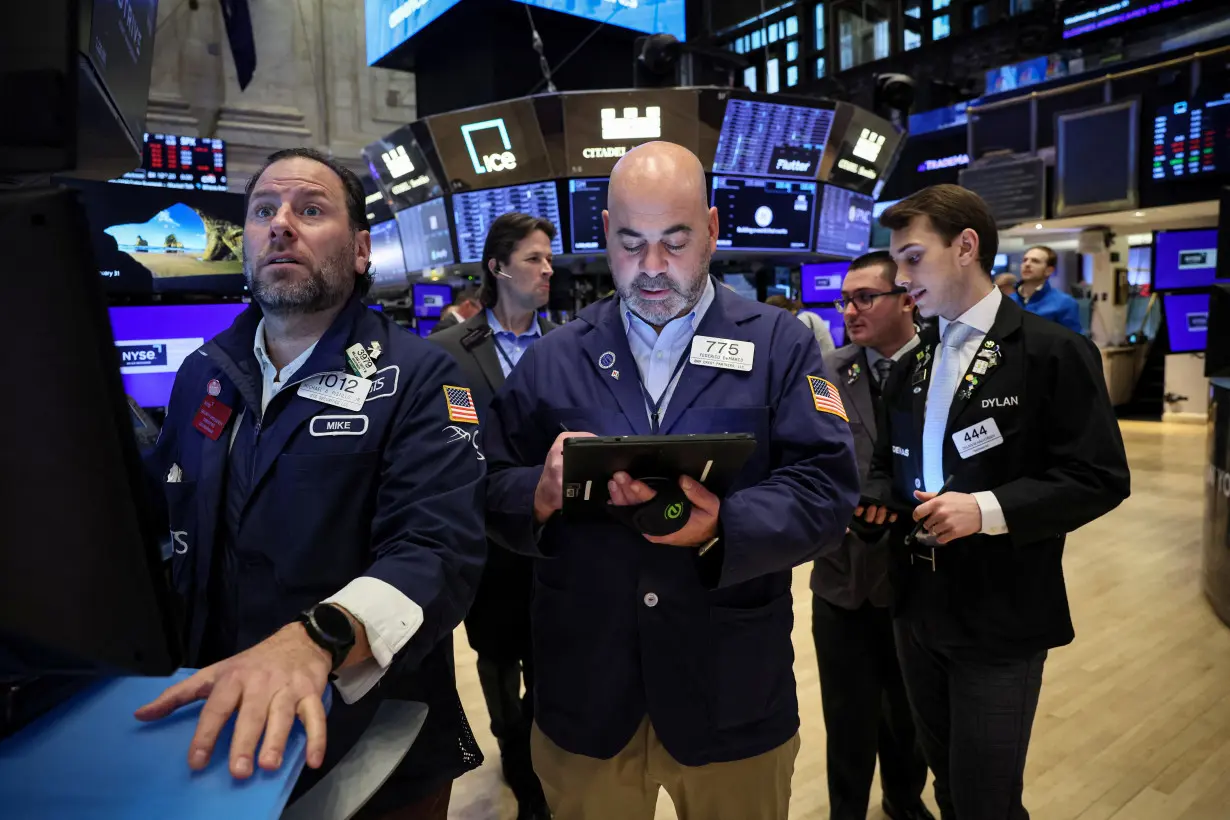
(632, 126)
(504, 160)
(869, 145)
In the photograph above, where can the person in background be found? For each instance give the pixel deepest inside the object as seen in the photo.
(665, 662)
(331, 532)
(1006, 282)
(1001, 438)
(818, 327)
(1038, 295)
(465, 306)
(516, 285)
(866, 710)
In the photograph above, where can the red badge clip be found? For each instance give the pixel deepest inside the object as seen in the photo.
(211, 417)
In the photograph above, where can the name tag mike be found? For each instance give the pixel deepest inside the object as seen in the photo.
(728, 354)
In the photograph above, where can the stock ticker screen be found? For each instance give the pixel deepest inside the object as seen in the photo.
(425, 238)
(586, 201)
(1191, 139)
(764, 214)
(187, 163)
(844, 227)
(474, 211)
(769, 139)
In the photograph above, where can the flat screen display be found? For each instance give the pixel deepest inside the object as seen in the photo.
(1191, 139)
(1106, 14)
(821, 282)
(601, 127)
(169, 161)
(837, 325)
(1095, 160)
(474, 212)
(586, 201)
(122, 51)
(1187, 321)
(648, 16)
(163, 240)
(490, 146)
(429, 300)
(1184, 259)
(424, 327)
(845, 223)
(388, 263)
(768, 139)
(425, 238)
(764, 214)
(401, 170)
(152, 342)
(389, 23)
(881, 237)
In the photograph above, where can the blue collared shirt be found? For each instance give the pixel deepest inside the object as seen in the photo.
(512, 345)
(656, 354)
(1054, 305)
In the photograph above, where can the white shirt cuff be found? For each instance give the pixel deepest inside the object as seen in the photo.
(390, 619)
(993, 522)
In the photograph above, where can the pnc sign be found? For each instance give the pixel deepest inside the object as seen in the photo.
(493, 162)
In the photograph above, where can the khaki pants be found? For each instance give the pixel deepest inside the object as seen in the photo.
(626, 786)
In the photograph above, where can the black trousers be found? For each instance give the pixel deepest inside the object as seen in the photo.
(974, 717)
(512, 717)
(865, 710)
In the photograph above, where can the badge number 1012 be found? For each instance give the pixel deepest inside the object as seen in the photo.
(338, 389)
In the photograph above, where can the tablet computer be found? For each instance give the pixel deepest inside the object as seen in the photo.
(589, 462)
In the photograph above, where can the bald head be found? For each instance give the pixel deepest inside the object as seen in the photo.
(660, 230)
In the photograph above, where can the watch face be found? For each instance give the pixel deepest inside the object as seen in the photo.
(333, 624)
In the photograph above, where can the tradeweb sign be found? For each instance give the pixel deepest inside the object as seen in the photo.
(493, 162)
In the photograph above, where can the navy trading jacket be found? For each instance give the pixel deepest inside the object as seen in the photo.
(624, 627)
(311, 496)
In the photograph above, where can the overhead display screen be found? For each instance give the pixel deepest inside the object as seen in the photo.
(425, 238)
(1187, 321)
(586, 202)
(1191, 139)
(864, 151)
(768, 139)
(821, 282)
(490, 146)
(388, 263)
(764, 214)
(474, 212)
(390, 23)
(1111, 13)
(121, 40)
(601, 127)
(187, 163)
(648, 16)
(401, 170)
(1184, 259)
(845, 222)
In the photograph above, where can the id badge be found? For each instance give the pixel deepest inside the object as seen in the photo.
(338, 389)
(728, 354)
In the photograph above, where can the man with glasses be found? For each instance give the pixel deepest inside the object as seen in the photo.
(865, 705)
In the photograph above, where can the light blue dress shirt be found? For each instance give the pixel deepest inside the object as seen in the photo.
(512, 344)
(656, 354)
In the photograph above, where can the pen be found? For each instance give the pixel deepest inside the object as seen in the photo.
(918, 528)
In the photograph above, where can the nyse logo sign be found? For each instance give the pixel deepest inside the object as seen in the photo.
(1198, 322)
(632, 126)
(869, 145)
(142, 355)
(493, 162)
(1198, 259)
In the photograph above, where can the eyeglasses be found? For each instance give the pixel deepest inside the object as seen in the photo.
(863, 300)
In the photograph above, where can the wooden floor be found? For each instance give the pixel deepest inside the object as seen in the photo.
(1134, 720)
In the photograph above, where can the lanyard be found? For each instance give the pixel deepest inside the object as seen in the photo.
(503, 354)
(655, 407)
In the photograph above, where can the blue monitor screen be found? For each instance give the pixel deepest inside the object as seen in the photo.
(474, 211)
(648, 16)
(390, 23)
(1184, 259)
(769, 139)
(587, 200)
(1187, 321)
(388, 264)
(153, 342)
(424, 327)
(425, 237)
(837, 325)
(429, 300)
(764, 214)
(845, 223)
(822, 282)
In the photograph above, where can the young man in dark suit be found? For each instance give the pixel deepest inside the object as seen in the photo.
(1003, 437)
(865, 706)
(516, 285)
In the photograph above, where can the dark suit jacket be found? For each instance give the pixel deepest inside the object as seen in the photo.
(498, 624)
(858, 571)
(1061, 465)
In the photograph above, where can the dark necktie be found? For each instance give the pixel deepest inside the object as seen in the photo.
(882, 367)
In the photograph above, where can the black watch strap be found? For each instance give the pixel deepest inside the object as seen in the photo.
(329, 627)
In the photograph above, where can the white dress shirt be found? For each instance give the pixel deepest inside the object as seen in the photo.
(980, 317)
(387, 615)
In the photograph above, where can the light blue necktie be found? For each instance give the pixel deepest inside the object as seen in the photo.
(939, 401)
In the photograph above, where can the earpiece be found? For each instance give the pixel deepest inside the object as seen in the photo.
(500, 272)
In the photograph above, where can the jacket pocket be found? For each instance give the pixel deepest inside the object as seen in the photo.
(750, 662)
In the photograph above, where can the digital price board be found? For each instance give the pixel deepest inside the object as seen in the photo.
(1191, 139)
(187, 163)
(474, 211)
(770, 139)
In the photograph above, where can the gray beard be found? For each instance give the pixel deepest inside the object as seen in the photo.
(325, 288)
(680, 301)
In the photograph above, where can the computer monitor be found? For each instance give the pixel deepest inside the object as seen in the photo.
(844, 226)
(388, 262)
(424, 327)
(426, 240)
(770, 139)
(1096, 159)
(837, 325)
(1187, 321)
(1184, 259)
(821, 282)
(764, 214)
(430, 300)
(474, 211)
(586, 202)
(82, 586)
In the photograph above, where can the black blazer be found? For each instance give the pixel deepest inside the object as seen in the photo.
(857, 572)
(1061, 465)
(480, 362)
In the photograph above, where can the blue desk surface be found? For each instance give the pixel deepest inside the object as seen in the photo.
(90, 758)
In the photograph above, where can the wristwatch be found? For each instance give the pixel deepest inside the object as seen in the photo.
(329, 627)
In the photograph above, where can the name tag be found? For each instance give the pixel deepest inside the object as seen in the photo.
(977, 438)
(728, 354)
(338, 389)
(338, 425)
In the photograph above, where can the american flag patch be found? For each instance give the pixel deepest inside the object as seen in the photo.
(460, 404)
(827, 399)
